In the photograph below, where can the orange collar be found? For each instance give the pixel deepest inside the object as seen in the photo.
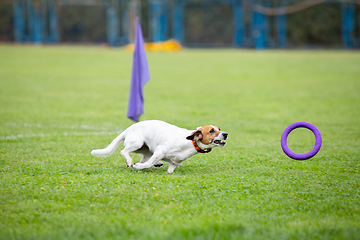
(198, 149)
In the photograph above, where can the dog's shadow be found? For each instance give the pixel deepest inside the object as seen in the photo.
(197, 165)
(184, 169)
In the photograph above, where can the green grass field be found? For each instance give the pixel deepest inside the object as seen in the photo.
(59, 103)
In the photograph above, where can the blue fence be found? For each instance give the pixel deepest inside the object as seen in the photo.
(37, 21)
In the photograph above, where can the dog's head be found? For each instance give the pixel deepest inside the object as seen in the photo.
(209, 135)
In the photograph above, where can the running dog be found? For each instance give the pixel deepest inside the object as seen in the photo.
(157, 140)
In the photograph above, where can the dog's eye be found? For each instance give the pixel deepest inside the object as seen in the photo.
(212, 131)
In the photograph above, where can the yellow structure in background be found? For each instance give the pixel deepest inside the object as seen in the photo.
(171, 45)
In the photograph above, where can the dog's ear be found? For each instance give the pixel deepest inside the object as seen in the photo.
(195, 136)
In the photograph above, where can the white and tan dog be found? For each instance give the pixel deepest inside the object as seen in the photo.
(157, 140)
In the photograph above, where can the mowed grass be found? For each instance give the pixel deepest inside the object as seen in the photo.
(59, 103)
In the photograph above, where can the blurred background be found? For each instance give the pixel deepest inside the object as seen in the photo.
(259, 24)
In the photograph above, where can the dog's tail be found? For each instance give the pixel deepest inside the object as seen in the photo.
(109, 149)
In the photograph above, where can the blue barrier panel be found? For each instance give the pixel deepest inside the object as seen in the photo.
(347, 23)
(37, 26)
(258, 30)
(281, 27)
(158, 17)
(19, 20)
(156, 23)
(178, 24)
(238, 15)
(30, 20)
(53, 23)
(112, 25)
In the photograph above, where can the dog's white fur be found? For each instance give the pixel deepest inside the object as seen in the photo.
(157, 140)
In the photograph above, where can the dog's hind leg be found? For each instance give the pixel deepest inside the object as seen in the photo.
(146, 156)
(145, 152)
(130, 146)
(154, 159)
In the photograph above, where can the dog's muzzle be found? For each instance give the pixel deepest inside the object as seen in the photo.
(219, 138)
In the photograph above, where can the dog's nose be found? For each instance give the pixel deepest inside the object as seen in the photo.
(225, 135)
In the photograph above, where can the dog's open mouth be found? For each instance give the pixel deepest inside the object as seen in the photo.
(219, 142)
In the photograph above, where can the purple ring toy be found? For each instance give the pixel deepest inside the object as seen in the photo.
(313, 152)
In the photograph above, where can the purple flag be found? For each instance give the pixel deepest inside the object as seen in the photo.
(140, 75)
